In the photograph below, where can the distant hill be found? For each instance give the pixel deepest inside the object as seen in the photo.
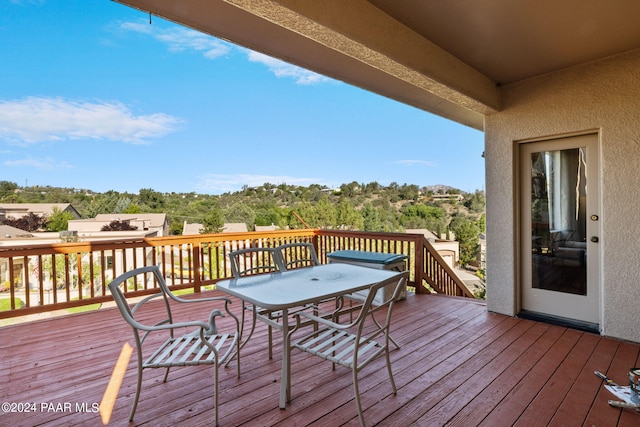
(370, 206)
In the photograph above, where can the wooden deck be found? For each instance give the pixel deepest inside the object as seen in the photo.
(459, 366)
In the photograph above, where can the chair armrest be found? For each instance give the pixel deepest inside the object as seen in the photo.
(167, 326)
(178, 299)
(321, 320)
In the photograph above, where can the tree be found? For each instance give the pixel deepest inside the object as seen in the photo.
(240, 212)
(30, 222)
(466, 232)
(7, 188)
(102, 204)
(212, 222)
(347, 217)
(423, 216)
(151, 198)
(475, 202)
(370, 218)
(59, 220)
(326, 213)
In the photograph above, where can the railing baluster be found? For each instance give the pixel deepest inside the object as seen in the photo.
(196, 261)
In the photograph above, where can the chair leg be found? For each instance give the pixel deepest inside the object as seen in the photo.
(270, 337)
(243, 343)
(270, 340)
(393, 383)
(215, 397)
(137, 397)
(357, 393)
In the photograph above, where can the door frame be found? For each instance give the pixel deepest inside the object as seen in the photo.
(594, 269)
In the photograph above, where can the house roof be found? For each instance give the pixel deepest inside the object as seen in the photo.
(156, 220)
(192, 228)
(6, 231)
(45, 209)
(446, 57)
(234, 227)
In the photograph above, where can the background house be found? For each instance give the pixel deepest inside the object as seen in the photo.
(148, 222)
(18, 210)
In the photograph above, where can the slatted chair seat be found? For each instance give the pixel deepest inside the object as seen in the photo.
(353, 345)
(189, 350)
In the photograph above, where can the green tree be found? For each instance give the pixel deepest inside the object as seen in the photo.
(482, 223)
(423, 216)
(326, 211)
(466, 232)
(7, 188)
(59, 220)
(102, 204)
(475, 202)
(153, 199)
(240, 212)
(347, 217)
(307, 212)
(370, 218)
(212, 222)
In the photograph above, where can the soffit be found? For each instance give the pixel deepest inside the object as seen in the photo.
(446, 57)
(509, 40)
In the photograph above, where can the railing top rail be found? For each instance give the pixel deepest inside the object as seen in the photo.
(25, 248)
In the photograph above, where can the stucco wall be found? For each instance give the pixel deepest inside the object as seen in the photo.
(602, 96)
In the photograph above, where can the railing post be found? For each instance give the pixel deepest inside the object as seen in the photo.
(419, 266)
(197, 279)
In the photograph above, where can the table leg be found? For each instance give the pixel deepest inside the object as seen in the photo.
(285, 381)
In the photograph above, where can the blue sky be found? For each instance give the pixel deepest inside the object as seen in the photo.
(93, 96)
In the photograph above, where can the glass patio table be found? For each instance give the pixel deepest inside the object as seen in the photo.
(292, 289)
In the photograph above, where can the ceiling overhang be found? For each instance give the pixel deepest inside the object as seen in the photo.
(449, 58)
(354, 42)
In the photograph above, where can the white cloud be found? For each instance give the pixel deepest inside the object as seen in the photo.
(35, 119)
(179, 39)
(283, 69)
(417, 162)
(216, 183)
(47, 164)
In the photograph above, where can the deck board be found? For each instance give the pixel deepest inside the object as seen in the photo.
(458, 365)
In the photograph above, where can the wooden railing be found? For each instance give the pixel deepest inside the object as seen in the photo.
(429, 271)
(45, 277)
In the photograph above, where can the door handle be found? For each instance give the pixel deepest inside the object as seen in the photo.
(594, 239)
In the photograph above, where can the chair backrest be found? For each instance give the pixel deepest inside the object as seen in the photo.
(368, 309)
(128, 313)
(249, 261)
(296, 255)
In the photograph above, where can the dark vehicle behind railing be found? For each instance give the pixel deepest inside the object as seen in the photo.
(46, 277)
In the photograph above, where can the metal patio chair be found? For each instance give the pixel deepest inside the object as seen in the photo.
(250, 261)
(354, 345)
(202, 345)
(298, 255)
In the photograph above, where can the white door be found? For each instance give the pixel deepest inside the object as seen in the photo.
(560, 229)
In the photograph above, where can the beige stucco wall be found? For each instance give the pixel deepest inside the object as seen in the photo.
(603, 96)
